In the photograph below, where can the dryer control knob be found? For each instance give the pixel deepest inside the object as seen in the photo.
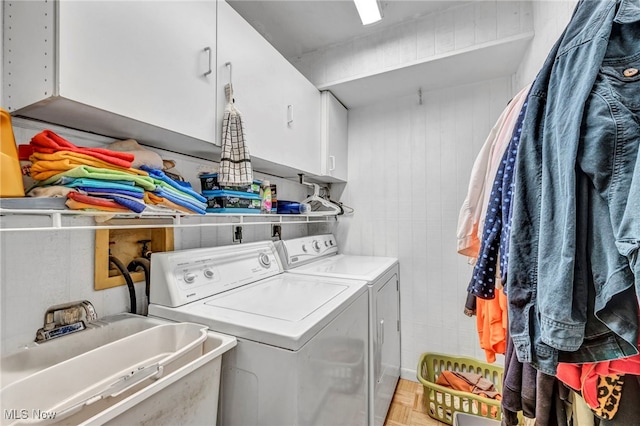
(208, 273)
(189, 277)
(264, 260)
(316, 246)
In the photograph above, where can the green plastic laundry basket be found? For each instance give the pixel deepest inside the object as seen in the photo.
(442, 403)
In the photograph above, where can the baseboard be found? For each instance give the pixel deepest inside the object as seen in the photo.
(408, 374)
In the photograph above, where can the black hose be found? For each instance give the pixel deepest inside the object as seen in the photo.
(127, 278)
(145, 264)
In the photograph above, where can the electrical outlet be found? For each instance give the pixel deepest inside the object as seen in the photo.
(237, 234)
(276, 232)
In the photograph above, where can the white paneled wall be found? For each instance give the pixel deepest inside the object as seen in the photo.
(409, 168)
(550, 19)
(40, 269)
(456, 28)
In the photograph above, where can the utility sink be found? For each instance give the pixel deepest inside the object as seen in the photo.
(39, 356)
(98, 374)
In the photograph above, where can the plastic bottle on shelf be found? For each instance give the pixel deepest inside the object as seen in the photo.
(292, 207)
(266, 196)
(274, 199)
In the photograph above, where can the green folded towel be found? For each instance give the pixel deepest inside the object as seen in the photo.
(145, 182)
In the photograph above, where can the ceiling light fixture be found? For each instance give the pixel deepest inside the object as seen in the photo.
(368, 10)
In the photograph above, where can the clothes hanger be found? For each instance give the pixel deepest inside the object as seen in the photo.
(345, 209)
(316, 198)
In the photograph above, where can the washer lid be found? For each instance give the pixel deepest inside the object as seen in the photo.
(279, 298)
(286, 310)
(367, 268)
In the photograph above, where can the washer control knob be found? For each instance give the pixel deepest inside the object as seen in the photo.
(315, 245)
(208, 273)
(304, 248)
(264, 260)
(189, 277)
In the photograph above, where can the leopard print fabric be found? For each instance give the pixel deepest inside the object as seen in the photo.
(609, 393)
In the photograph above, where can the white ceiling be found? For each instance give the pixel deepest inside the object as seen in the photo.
(295, 27)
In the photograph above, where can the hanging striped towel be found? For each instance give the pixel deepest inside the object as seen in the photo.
(235, 163)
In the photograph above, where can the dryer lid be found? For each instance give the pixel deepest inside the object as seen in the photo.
(367, 268)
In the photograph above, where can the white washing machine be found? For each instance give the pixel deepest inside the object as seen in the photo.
(318, 256)
(301, 356)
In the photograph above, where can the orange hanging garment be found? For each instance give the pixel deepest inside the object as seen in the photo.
(491, 320)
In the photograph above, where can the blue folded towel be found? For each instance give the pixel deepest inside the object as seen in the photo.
(128, 202)
(193, 206)
(180, 186)
(164, 191)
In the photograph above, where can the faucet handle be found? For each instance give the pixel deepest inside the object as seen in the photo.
(70, 319)
(49, 322)
(70, 313)
(90, 312)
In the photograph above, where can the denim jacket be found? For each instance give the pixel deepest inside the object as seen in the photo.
(560, 304)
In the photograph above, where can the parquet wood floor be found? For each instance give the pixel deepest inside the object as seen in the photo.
(406, 407)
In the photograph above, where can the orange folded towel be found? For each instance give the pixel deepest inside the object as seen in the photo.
(47, 165)
(49, 142)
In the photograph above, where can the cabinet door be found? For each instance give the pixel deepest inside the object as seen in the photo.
(279, 106)
(334, 137)
(143, 60)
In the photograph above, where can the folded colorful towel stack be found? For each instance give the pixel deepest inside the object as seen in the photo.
(103, 180)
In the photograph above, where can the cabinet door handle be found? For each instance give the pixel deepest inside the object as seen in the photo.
(332, 160)
(289, 115)
(208, 50)
(230, 66)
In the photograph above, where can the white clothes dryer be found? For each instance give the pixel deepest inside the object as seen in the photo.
(301, 357)
(318, 256)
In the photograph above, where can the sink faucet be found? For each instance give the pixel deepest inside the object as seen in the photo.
(71, 317)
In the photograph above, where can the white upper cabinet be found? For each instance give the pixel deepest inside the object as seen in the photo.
(334, 137)
(279, 106)
(138, 69)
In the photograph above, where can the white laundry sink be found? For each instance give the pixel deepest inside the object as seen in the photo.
(39, 356)
(112, 371)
